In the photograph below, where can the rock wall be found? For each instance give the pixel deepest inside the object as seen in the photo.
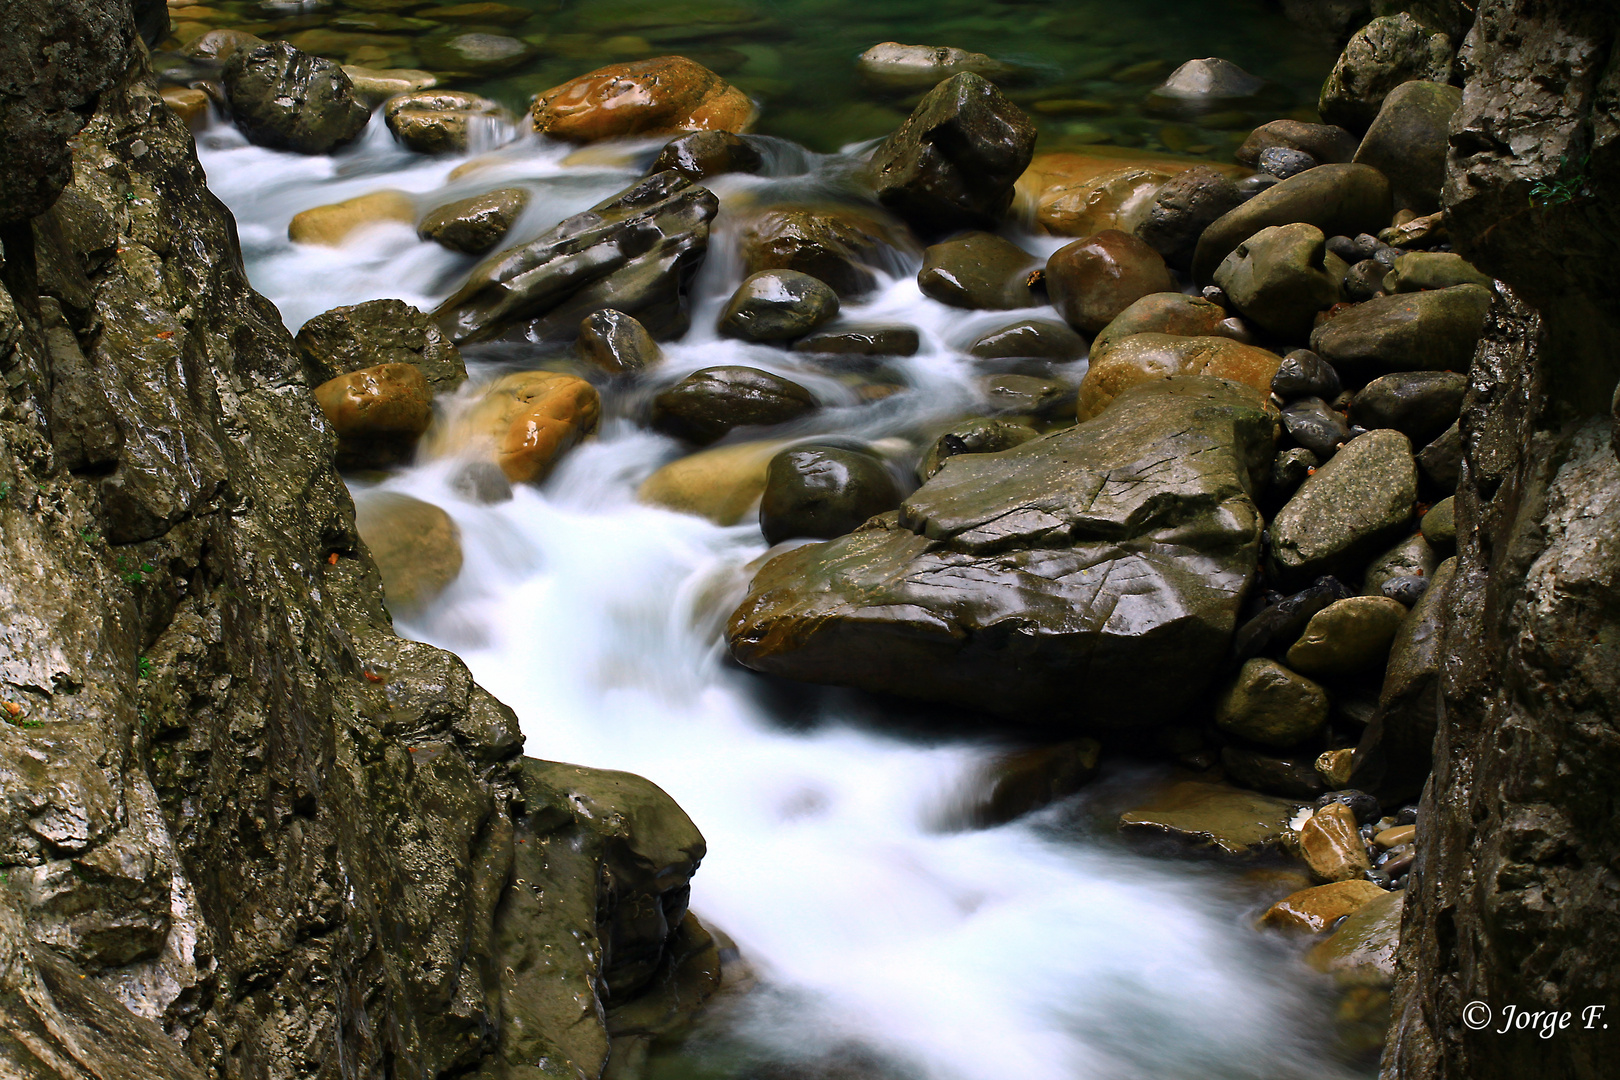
(1515, 897)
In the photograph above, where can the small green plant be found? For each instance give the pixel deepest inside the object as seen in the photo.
(5, 490)
(133, 577)
(89, 536)
(1564, 188)
(143, 667)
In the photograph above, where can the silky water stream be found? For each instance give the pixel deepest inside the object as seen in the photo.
(1037, 950)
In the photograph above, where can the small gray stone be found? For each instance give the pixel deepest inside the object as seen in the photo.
(1441, 460)
(1315, 426)
(1407, 588)
(1351, 507)
(1250, 186)
(1365, 280)
(1267, 703)
(1422, 404)
(776, 305)
(474, 225)
(1304, 374)
(1282, 162)
(1290, 468)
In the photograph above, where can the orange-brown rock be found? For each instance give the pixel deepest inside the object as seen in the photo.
(378, 413)
(330, 225)
(1093, 280)
(1145, 357)
(1119, 199)
(1068, 168)
(529, 419)
(662, 96)
(188, 103)
(1332, 845)
(1165, 313)
(1315, 909)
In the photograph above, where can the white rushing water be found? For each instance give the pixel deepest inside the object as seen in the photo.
(1027, 951)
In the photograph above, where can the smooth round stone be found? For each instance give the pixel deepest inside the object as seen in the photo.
(1347, 199)
(1304, 374)
(1331, 845)
(1408, 142)
(1290, 468)
(1206, 84)
(1326, 143)
(661, 96)
(1282, 162)
(722, 484)
(1162, 313)
(703, 154)
(1151, 357)
(1037, 339)
(823, 492)
(1267, 703)
(861, 341)
(1365, 280)
(1092, 281)
(377, 85)
(978, 270)
(1351, 507)
(776, 305)
(982, 435)
(837, 244)
(892, 64)
(1415, 271)
(1028, 395)
(378, 413)
(331, 225)
(530, 419)
(707, 404)
(1408, 589)
(416, 546)
(476, 224)
(1281, 277)
(288, 100)
(1347, 637)
(1439, 525)
(616, 343)
(1182, 208)
(437, 121)
(1315, 426)
(1422, 404)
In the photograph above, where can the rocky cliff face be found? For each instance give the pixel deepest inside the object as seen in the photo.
(1514, 898)
(244, 829)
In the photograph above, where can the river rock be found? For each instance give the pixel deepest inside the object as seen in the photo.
(1269, 704)
(839, 245)
(376, 85)
(1387, 52)
(1411, 557)
(1332, 845)
(416, 546)
(189, 104)
(1351, 507)
(1334, 766)
(1281, 277)
(1281, 162)
(1338, 199)
(1362, 950)
(1290, 468)
(1327, 143)
(1277, 625)
(661, 96)
(1318, 908)
(473, 53)
(631, 253)
(376, 332)
(378, 413)
(1028, 395)
(475, 224)
(1292, 778)
(1173, 313)
(1347, 637)
(893, 64)
(775, 305)
(723, 484)
(288, 100)
(332, 224)
(1008, 579)
(1153, 357)
(616, 343)
(437, 121)
(1205, 85)
(1121, 199)
(707, 404)
(1415, 271)
(1364, 281)
(1304, 374)
(1016, 784)
(1184, 206)
(1407, 142)
(861, 341)
(1421, 404)
(1039, 339)
(703, 154)
(823, 492)
(978, 270)
(1441, 460)
(1313, 424)
(529, 419)
(1092, 280)
(482, 14)
(1213, 816)
(222, 43)
(954, 161)
(1425, 331)
(981, 435)
(1439, 525)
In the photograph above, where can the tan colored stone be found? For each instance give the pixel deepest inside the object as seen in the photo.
(1119, 199)
(416, 546)
(1335, 767)
(1347, 636)
(723, 484)
(661, 96)
(378, 413)
(437, 121)
(527, 420)
(188, 103)
(377, 85)
(1394, 838)
(332, 224)
(1227, 819)
(1315, 909)
(1069, 168)
(1164, 313)
(1145, 357)
(1332, 845)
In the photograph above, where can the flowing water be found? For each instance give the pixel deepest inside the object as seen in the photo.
(1037, 950)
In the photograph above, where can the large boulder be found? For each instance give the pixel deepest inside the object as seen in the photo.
(1421, 331)
(376, 332)
(1341, 200)
(1152, 357)
(661, 96)
(1348, 510)
(1057, 581)
(954, 161)
(1389, 51)
(1407, 142)
(632, 253)
(289, 100)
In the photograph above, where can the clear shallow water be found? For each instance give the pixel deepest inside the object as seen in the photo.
(1041, 950)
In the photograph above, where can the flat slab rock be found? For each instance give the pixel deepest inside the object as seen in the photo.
(1088, 578)
(1215, 816)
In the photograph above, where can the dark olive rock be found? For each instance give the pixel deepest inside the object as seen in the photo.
(952, 164)
(437, 121)
(1267, 703)
(1382, 55)
(1327, 143)
(1184, 207)
(776, 305)
(1254, 184)
(709, 403)
(474, 225)
(984, 435)
(1304, 374)
(1052, 580)
(1351, 507)
(376, 332)
(1315, 426)
(1040, 339)
(1278, 625)
(703, 154)
(1439, 525)
(1365, 280)
(632, 253)
(1029, 395)
(1292, 779)
(978, 270)
(1282, 162)
(861, 341)
(616, 343)
(1422, 404)
(1289, 470)
(1407, 142)
(1411, 557)
(1405, 588)
(1093, 280)
(1281, 277)
(1019, 783)
(823, 492)
(1415, 271)
(840, 245)
(288, 100)
(1441, 460)
(1338, 199)
(1426, 331)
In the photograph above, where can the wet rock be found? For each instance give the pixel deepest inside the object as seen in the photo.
(1441, 460)
(1347, 637)
(1407, 589)
(775, 305)
(476, 224)
(485, 14)
(1363, 807)
(1440, 525)
(529, 419)
(823, 492)
(1204, 86)
(1281, 162)
(378, 414)
(1269, 704)
(1289, 470)
(1411, 557)
(1315, 426)
(707, 404)
(978, 270)
(1365, 280)
(1279, 624)
(1362, 950)
(482, 482)
(1250, 186)
(1171, 313)
(189, 104)
(1334, 766)
(288, 100)
(861, 341)
(1040, 339)
(1407, 142)
(1337, 199)
(1327, 143)
(723, 484)
(1387, 52)
(1420, 404)
(662, 96)
(631, 253)
(364, 335)
(1152, 357)
(1290, 778)
(1017, 784)
(1281, 277)
(996, 585)
(332, 224)
(983, 435)
(1121, 199)
(1332, 845)
(616, 343)
(838, 245)
(1304, 374)
(1092, 280)
(1215, 816)
(1351, 507)
(1415, 271)
(1427, 331)
(222, 44)
(1316, 909)
(893, 64)
(416, 546)
(438, 121)
(1029, 395)
(1182, 208)
(954, 161)
(376, 85)
(475, 53)
(703, 154)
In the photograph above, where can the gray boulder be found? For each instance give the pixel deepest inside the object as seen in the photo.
(1351, 507)
(1387, 52)
(1407, 142)
(709, 403)
(377, 332)
(475, 224)
(1422, 331)
(1338, 199)
(289, 100)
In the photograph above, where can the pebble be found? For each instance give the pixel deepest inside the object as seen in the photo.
(1439, 525)
(1395, 837)
(1290, 468)
(1315, 427)
(1335, 766)
(1406, 588)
